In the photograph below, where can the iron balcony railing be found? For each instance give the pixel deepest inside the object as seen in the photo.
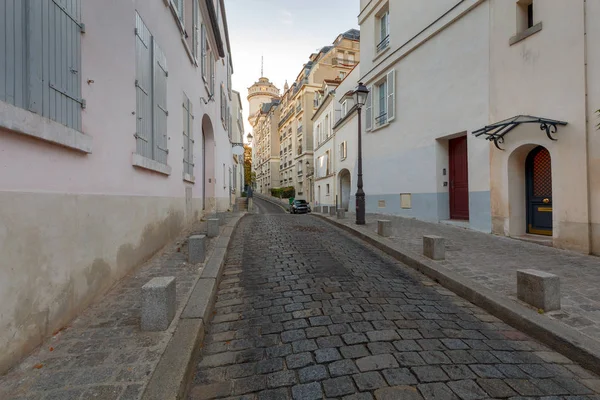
(342, 61)
(381, 119)
(384, 43)
(299, 108)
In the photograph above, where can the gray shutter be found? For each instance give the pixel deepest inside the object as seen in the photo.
(191, 138)
(369, 110)
(13, 35)
(186, 135)
(391, 100)
(160, 105)
(143, 84)
(203, 52)
(195, 29)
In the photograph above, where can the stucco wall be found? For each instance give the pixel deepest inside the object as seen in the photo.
(441, 91)
(544, 76)
(72, 223)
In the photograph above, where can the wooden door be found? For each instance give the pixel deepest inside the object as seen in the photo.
(538, 168)
(459, 179)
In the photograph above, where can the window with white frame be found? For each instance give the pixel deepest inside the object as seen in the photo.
(178, 8)
(327, 191)
(343, 150)
(204, 50)
(328, 153)
(342, 75)
(327, 126)
(344, 108)
(381, 102)
(383, 36)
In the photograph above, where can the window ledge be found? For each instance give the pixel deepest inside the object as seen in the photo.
(525, 34)
(189, 178)
(25, 122)
(379, 127)
(140, 161)
(382, 52)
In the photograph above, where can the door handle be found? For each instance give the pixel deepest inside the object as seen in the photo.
(546, 201)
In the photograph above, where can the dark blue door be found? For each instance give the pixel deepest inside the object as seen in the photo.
(539, 192)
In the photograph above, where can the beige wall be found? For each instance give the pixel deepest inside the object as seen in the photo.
(544, 76)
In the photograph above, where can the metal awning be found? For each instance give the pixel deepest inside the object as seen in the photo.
(496, 132)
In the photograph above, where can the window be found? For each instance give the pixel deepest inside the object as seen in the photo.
(195, 31)
(327, 192)
(343, 150)
(188, 139)
(344, 108)
(328, 154)
(342, 74)
(203, 53)
(327, 126)
(524, 15)
(35, 74)
(178, 8)
(223, 107)
(151, 88)
(383, 23)
(212, 66)
(381, 102)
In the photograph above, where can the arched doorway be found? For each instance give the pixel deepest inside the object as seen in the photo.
(538, 178)
(345, 186)
(208, 162)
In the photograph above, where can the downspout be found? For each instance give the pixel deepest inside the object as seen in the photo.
(587, 127)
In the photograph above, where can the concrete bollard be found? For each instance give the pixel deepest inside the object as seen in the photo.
(539, 289)
(250, 205)
(325, 209)
(434, 247)
(384, 228)
(158, 304)
(221, 217)
(212, 228)
(341, 214)
(196, 249)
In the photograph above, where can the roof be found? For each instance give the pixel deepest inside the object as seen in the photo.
(352, 34)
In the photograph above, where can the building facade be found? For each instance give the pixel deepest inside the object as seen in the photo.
(107, 155)
(237, 139)
(435, 85)
(296, 129)
(263, 98)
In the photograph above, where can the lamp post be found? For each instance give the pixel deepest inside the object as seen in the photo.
(360, 98)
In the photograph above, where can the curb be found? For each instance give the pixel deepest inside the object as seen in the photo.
(557, 336)
(170, 379)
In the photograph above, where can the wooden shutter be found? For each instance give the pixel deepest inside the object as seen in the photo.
(391, 100)
(14, 62)
(203, 52)
(369, 110)
(186, 134)
(143, 85)
(195, 29)
(160, 105)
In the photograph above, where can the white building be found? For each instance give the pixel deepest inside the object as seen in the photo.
(106, 155)
(237, 139)
(439, 73)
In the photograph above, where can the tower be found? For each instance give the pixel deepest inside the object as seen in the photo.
(262, 91)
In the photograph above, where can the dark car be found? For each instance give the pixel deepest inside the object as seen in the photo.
(299, 207)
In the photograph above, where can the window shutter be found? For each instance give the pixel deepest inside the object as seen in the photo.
(186, 142)
(391, 84)
(143, 87)
(369, 110)
(195, 28)
(212, 73)
(203, 52)
(180, 10)
(160, 105)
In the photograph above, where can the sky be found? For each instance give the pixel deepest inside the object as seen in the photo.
(285, 33)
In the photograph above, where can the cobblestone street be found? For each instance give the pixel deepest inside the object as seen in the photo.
(305, 311)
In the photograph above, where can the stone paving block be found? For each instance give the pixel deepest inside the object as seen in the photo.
(327, 355)
(538, 288)
(430, 374)
(313, 373)
(338, 386)
(282, 378)
(436, 391)
(398, 392)
(434, 247)
(308, 391)
(399, 377)
(372, 363)
(467, 390)
(369, 381)
(496, 388)
(158, 304)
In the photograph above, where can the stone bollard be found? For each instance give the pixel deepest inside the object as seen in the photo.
(158, 304)
(221, 217)
(196, 249)
(341, 214)
(250, 205)
(212, 228)
(539, 289)
(384, 228)
(434, 247)
(332, 211)
(325, 209)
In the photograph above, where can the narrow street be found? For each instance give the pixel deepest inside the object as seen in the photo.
(305, 311)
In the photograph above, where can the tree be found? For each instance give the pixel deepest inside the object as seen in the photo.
(247, 164)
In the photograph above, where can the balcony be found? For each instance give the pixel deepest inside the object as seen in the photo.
(344, 62)
(286, 117)
(299, 108)
(299, 150)
(383, 44)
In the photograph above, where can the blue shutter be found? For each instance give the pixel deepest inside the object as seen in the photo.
(13, 56)
(143, 85)
(160, 105)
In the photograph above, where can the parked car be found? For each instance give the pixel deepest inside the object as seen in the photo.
(299, 207)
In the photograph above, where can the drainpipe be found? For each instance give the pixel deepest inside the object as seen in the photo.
(587, 124)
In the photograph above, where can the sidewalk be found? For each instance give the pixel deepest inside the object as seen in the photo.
(103, 354)
(492, 261)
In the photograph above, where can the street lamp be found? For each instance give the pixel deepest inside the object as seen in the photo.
(360, 95)
(249, 137)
